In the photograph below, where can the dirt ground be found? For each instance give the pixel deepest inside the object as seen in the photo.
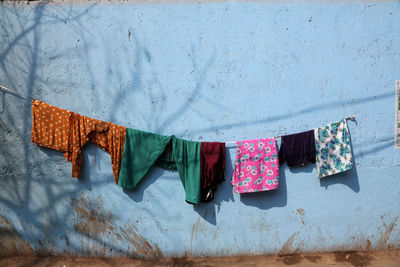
(358, 259)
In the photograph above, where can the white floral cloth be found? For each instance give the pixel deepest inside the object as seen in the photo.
(333, 149)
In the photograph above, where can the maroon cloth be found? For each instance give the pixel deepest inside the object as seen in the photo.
(212, 162)
(297, 149)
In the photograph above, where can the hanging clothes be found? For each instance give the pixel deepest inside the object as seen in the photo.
(212, 168)
(256, 166)
(68, 132)
(297, 149)
(333, 149)
(143, 150)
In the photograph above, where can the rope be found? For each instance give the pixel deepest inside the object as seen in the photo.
(15, 93)
(227, 144)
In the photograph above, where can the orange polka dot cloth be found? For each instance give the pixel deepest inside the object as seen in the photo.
(68, 132)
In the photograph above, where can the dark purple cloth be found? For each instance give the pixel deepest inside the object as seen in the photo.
(297, 149)
(212, 162)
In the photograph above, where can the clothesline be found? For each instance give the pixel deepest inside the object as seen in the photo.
(13, 92)
(233, 143)
(227, 144)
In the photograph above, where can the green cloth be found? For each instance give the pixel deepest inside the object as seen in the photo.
(187, 158)
(143, 150)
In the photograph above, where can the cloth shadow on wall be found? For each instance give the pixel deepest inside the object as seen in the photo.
(223, 193)
(268, 199)
(92, 174)
(150, 178)
(348, 178)
(206, 210)
(88, 166)
(308, 168)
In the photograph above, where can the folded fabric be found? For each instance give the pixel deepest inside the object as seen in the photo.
(143, 150)
(256, 166)
(333, 149)
(68, 132)
(297, 149)
(212, 166)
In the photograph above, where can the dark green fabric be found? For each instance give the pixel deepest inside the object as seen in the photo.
(166, 160)
(187, 158)
(142, 150)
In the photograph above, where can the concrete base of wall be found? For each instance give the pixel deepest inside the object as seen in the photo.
(353, 258)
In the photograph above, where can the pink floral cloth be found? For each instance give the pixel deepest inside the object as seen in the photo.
(256, 166)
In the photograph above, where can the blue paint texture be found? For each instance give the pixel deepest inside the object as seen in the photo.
(207, 71)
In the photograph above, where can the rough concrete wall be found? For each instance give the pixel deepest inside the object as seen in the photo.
(202, 71)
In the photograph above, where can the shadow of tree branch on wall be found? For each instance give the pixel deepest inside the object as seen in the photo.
(53, 214)
(301, 112)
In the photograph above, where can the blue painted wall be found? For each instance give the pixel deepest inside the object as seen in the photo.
(213, 71)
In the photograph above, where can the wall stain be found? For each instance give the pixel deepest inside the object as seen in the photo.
(96, 223)
(302, 214)
(313, 258)
(11, 243)
(93, 223)
(143, 249)
(291, 259)
(354, 258)
(368, 244)
(287, 248)
(197, 227)
(118, 236)
(93, 220)
(382, 243)
(187, 262)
